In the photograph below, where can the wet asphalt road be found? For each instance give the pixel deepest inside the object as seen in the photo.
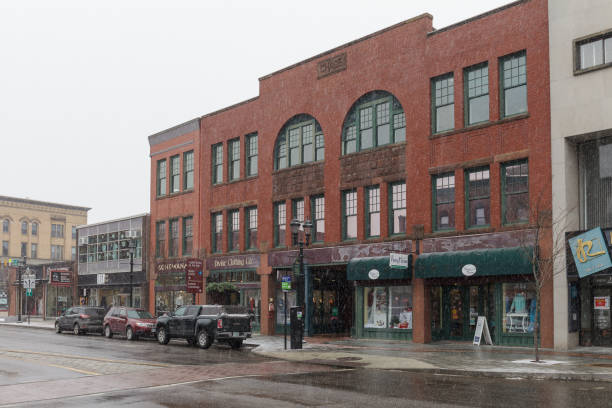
(35, 359)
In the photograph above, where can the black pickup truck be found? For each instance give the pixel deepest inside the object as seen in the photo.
(201, 325)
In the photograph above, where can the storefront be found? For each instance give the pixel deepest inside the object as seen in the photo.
(494, 283)
(59, 291)
(383, 298)
(177, 283)
(112, 289)
(234, 280)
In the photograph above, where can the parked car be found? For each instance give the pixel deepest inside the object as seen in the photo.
(128, 321)
(80, 320)
(201, 325)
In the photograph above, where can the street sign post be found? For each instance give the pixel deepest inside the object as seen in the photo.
(29, 281)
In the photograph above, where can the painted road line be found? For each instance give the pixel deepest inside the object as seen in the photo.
(73, 369)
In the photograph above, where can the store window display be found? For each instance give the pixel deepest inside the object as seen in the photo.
(388, 307)
(519, 307)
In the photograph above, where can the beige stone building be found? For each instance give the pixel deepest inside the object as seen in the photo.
(39, 230)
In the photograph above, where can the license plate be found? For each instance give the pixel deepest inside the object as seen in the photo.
(235, 334)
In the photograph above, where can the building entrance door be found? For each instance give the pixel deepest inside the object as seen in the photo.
(332, 299)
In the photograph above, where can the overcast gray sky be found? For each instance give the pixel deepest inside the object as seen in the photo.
(83, 83)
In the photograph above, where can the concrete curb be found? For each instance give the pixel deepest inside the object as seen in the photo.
(25, 325)
(516, 375)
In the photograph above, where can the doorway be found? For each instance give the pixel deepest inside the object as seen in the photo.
(602, 329)
(455, 310)
(332, 299)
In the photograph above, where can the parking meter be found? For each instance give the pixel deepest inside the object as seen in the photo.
(296, 320)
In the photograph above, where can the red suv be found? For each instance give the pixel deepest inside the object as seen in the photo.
(128, 321)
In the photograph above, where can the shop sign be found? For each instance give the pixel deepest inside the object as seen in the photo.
(373, 274)
(468, 270)
(60, 277)
(398, 260)
(101, 279)
(62, 298)
(233, 262)
(179, 265)
(590, 252)
(195, 275)
(601, 303)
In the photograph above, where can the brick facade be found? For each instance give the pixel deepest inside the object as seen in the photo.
(400, 60)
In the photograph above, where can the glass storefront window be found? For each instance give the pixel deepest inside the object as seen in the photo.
(280, 305)
(387, 307)
(170, 300)
(436, 307)
(519, 307)
(400, 307)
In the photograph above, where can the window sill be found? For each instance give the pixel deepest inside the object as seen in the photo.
(179, 193)
(591, 69)
(297, 166)
(483, 125)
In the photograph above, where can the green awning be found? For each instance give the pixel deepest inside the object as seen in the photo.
(488, 262)
(359, 269)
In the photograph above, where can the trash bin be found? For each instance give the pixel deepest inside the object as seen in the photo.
(296, 319)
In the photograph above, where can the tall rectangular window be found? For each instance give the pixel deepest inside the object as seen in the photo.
(187, 236)
(513, 72)
(476, 81)
(444, 201)
(349, 204)
(24, 249)
(251, 222)
(5, 225)
(217, 164)
(217, 232)
(234, 159)
(34, 228)
(188, 170)
(24, 227)
(317, 208)
(173, 242)
(373, 211)
(280, 224)
(251, 155)
(443, 103)
(57, 252)
(161, 178)
(234, 231)
(298, 209)
(160, 239)
(74, 232)
(34, 251)
(515, 192)
(57, 231)
(5, 248)
(398, 208)
(175, 176)
(73, 253)
(478, 196)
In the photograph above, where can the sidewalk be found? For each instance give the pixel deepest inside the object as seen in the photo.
(447, 358)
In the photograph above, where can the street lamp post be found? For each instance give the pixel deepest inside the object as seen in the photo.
(295, 228)
(20, 299)
(131, 248)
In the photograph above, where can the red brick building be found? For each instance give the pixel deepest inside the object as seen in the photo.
(412, 140)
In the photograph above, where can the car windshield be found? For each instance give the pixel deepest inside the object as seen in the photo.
(139, 314)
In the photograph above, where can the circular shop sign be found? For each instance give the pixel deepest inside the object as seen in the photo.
(468, 270)
(373, 274)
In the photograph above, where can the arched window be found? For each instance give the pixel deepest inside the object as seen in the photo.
(376, 119)
(299, 141)
(5, 225)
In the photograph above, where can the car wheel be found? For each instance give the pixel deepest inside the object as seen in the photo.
(162, 335)
(129, 334)
(58, 329)
(108, 332)
(204, 339)
(235, 344)
(76, 329)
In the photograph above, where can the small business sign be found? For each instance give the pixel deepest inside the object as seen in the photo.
(601, 302)
(374, 274)
(468, 270)
(60, 277)
(590, 252)
(194, 275)
(101, 278)
(286, 283)
(482, 328)
(399, 261)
